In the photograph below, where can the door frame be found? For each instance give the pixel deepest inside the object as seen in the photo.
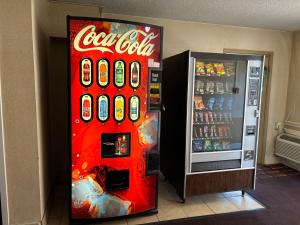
(265, 97)
(3, 183)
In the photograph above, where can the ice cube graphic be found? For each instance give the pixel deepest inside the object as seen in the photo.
(102, 204)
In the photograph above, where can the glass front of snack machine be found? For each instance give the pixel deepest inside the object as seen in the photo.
(218, 107)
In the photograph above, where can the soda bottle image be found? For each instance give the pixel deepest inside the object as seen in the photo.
(86, 71)
(118, 147)
(103, 72)
(119, 74)
(103, 108)
(119, 108)
(135, 74)
(134, 108)
(86, 108)
(124, 145)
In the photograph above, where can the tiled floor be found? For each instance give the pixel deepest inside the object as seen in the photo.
(169, 206)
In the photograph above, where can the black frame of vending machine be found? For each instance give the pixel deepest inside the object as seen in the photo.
(151, 211)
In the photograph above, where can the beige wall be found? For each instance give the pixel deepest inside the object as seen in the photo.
(23, 63)
(182, 35)
(40, 56)
(19, 111)
(293, 103)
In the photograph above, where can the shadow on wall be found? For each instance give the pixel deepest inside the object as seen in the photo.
(58, 110)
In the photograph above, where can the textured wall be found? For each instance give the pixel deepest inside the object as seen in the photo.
(19, 111)
(40, 56)
(293, 103)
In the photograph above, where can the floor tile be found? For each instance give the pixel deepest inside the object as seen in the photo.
(220, 205)
(245, 203)
(167, 212)
(212, 196)
(142, 219)
(232, 194)
(196, 207)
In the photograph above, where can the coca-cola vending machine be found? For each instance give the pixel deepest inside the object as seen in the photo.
(114, 105)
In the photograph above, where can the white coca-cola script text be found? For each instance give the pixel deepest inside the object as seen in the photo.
(87, 39)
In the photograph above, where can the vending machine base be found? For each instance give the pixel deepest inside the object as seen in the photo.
(219, 182)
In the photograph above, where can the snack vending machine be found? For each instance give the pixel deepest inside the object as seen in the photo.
(214, 139)
(115, 97)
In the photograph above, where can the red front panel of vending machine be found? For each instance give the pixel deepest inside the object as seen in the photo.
(115, 88)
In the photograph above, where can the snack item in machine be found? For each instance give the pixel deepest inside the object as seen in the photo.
(219, 87)
(198, 101)
(210, 71)
(208, 146)
(197, 145)
(219, 68)
(200, 71)
(211, 103)
(199, 87)
(210, 87)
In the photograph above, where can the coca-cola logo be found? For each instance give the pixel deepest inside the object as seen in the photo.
(87, 40)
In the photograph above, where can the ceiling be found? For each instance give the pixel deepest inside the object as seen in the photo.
(271, 14)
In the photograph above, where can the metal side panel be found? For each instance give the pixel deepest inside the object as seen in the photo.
(252, 113)
(189, 113)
